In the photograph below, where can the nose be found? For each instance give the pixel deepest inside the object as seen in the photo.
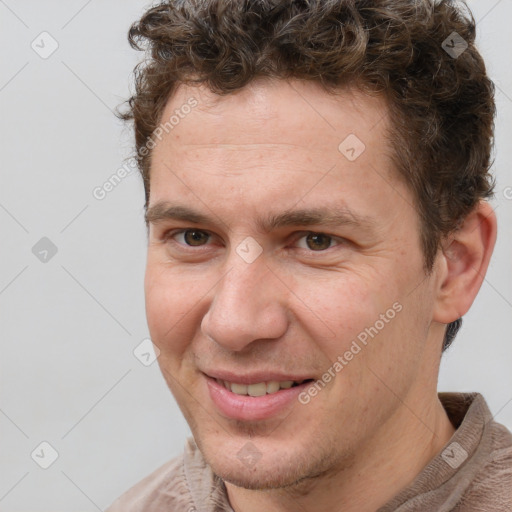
(248, 305)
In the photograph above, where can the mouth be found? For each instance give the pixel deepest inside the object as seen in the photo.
(260, 388)
(256, 399)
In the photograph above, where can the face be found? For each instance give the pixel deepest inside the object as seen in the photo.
(283, 248)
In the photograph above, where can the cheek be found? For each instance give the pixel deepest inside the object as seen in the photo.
(342, 306)
(171, 306)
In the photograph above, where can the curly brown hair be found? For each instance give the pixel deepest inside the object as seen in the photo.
(441, 101)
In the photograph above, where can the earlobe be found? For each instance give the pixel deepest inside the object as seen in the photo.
(464, 260)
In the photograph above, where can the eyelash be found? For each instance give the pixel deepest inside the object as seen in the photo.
(169, 235)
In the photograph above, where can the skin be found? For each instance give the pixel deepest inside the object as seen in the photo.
(266, 149)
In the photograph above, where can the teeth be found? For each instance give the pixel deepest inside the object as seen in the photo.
(259, 389)
(273, 386)
(239, 389)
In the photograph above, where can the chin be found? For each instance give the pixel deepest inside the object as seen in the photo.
(274, 467)
(268, 476)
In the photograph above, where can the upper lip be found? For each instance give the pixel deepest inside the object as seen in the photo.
(254, 377)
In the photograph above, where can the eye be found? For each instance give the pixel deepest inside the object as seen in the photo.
(316, 242)
(191, 237)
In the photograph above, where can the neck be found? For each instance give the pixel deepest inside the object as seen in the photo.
(388, 463)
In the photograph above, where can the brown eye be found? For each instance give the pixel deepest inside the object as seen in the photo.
(318, 241)
(194, 237)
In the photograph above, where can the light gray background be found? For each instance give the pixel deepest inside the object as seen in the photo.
(69, 326)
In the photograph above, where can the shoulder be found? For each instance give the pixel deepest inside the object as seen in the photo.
(491, 487)
(164, 489)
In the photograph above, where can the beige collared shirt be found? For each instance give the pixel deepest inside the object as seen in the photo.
(472, 473)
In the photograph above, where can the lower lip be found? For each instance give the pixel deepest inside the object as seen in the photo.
(252, 408)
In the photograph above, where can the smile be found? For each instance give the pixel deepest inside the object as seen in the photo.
(260, 388)
(256, 400)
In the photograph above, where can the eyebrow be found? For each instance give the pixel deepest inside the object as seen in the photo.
(330, 217)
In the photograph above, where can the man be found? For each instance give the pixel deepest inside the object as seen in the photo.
(316, 177)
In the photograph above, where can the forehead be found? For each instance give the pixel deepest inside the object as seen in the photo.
(264, 107)
(276, 143)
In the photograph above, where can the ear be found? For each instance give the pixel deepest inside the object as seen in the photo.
(462, 263)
